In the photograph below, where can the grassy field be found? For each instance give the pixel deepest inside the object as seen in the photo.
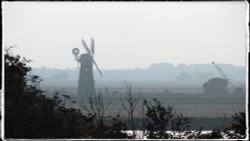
(209, 111)
(192, 105)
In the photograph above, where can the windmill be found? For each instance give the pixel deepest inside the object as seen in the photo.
(86, 84)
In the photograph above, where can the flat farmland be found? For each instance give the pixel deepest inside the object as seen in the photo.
(192, 105)
(209, 111)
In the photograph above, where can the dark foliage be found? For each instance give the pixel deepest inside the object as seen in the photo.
(113, 132)
(29, 114)
(159, 119)
(238, 126)
(236, 131)
(239, 123)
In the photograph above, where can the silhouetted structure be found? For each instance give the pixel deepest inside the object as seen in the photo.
(86, 79)
(86, 84)
(238, 90)
(216, 86)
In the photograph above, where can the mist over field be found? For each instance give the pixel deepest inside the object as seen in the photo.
(172, 75)
(179, 85)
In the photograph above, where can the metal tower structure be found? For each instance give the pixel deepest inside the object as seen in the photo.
(225, 77)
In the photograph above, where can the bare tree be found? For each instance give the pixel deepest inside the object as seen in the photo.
(96, 107)
(129, 103)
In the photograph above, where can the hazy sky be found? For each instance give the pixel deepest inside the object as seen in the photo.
(127, 35)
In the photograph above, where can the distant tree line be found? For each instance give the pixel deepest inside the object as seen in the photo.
(30, 114)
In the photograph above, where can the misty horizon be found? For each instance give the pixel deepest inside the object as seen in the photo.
(146, 67)
(196, 73)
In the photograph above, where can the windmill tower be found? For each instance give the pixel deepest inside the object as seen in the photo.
(86, 85)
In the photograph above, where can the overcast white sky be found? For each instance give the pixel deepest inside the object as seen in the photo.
(127, 35)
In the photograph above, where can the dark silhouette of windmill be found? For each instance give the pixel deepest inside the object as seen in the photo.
(86, 84)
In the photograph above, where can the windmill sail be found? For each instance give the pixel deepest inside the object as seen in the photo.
(97, 67)
(92, 45)
(85, 46)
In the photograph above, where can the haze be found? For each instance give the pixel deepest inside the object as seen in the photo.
(127, 35)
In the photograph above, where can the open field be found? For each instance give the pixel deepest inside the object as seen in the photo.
(209, 111)
(190, 104)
